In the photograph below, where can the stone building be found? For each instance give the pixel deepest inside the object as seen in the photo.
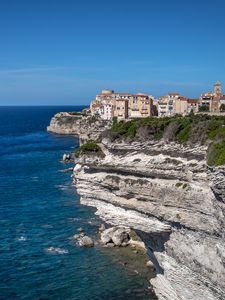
(121, 109)
(167, 104)
(140, 106)
(212, 101)
(193, 105)
(181, 106)
(109, 104)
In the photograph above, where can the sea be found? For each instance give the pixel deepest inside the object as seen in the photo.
(40, 212)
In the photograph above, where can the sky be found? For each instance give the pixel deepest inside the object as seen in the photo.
(64, 52)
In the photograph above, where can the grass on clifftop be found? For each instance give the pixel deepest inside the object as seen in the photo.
(89, 148)
(192, 130)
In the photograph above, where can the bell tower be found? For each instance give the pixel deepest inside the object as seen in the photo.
(217, 88)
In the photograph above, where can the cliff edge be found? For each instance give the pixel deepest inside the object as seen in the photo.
(168, 193)
(175, 202)
(85, 127)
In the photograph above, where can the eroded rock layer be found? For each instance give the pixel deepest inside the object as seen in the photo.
(85, 127)
(168, 194)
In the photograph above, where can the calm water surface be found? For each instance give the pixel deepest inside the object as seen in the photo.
(40, 209)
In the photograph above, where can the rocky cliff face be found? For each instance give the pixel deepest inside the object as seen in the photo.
(86, 127)
(176, 203)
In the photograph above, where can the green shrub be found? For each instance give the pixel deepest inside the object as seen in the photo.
(216, 154)
(204, 108)
(222, 107)
(192, 129)
(91, 147)
(185, 185)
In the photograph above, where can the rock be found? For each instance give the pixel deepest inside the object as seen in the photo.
(120, 237)
(110, 245)
(80, 229)
(150, 265)
(86, 241)
(175, 201)
(116, 235)
(102, 228)
(78, 236)
(106, 235)
(66, 157)
(78, 124)
(77, 168)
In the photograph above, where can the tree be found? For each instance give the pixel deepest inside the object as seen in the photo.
(203, 108)
(222, 107)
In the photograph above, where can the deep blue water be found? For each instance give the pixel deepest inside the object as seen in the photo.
(40, 209)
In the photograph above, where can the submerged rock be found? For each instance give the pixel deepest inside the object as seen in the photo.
(86, 241)
(80, 229)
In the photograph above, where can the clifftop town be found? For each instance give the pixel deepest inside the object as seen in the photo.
(109, 104)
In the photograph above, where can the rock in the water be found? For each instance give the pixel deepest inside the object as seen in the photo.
(119, 236)
(78, 236)
(86, 241)
(150, 265)
(66, 157)
(80, 229)
(106, 235)
(110, 245)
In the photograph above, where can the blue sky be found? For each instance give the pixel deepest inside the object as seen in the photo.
(65, 51)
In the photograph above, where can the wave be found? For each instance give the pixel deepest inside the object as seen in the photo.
(21, 238)
(56, 250)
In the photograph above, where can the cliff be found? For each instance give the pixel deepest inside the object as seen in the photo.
(172, 198)
(85, 127)
(168, 194)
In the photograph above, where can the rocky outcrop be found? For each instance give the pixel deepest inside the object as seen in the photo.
(86, 127)
(115, 236)
(168, 194)
(83, 240)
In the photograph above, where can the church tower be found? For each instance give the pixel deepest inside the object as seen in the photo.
(217, 88)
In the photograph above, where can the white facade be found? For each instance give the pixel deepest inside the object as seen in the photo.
(167, 105)
(107, 111)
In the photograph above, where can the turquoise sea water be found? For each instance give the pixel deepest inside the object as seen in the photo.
(40, 209)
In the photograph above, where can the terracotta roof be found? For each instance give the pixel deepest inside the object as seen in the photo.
(174, 94)
(193, 101)
(183, 98)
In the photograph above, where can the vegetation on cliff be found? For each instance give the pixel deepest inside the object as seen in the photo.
(89, 148)
(192, 129)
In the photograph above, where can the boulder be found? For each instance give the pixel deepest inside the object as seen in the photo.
(102, 228)
(78, 236)
(66, 157)
(119, 236)
(150, 265)
(110, 245)
(106, 235)
(86, 241)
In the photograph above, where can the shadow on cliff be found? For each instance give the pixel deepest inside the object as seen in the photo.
(155, 242)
